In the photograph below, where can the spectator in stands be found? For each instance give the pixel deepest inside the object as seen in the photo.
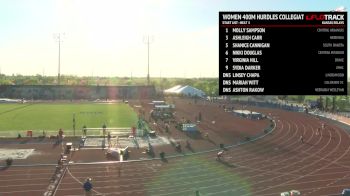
(301, 139)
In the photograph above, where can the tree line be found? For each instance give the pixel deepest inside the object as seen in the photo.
(209, 85)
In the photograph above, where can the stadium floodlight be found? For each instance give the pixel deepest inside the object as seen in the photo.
(148, 40)
(59, 38)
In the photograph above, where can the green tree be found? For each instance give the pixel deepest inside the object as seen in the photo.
(334, 103)
(320, 103)
(327, 103)
(301, 98)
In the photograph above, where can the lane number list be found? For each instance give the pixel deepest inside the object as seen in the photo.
(282, 53)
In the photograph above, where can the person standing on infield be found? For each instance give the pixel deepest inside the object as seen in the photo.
(109, 139)
(219, 155)
(301, 139)
(318, 131)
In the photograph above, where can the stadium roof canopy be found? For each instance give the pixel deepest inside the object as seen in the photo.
(185, 90)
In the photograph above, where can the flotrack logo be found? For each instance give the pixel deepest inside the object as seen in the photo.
(321, 17)
(315, 17)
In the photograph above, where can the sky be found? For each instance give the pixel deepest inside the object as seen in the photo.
(109, 37)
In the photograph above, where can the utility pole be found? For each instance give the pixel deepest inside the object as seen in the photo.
(74, 124)
(148, 42)
(59, 39)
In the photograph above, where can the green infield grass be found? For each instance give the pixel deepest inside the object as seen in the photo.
(19, 118)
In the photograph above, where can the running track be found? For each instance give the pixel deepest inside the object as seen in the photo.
(276, 163)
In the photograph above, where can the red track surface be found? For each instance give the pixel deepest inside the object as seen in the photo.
(25, 180)
(276, 163)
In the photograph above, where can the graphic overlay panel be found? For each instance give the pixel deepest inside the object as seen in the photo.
(283, 53)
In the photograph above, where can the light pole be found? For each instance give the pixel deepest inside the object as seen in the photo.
(74, 124)
(148, 42)
(59, 38)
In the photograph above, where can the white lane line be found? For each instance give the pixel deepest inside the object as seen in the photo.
(27, 192)
(292, 180)
(77, 180)
(286, 166)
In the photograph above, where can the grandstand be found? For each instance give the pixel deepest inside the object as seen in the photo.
(69, 92)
